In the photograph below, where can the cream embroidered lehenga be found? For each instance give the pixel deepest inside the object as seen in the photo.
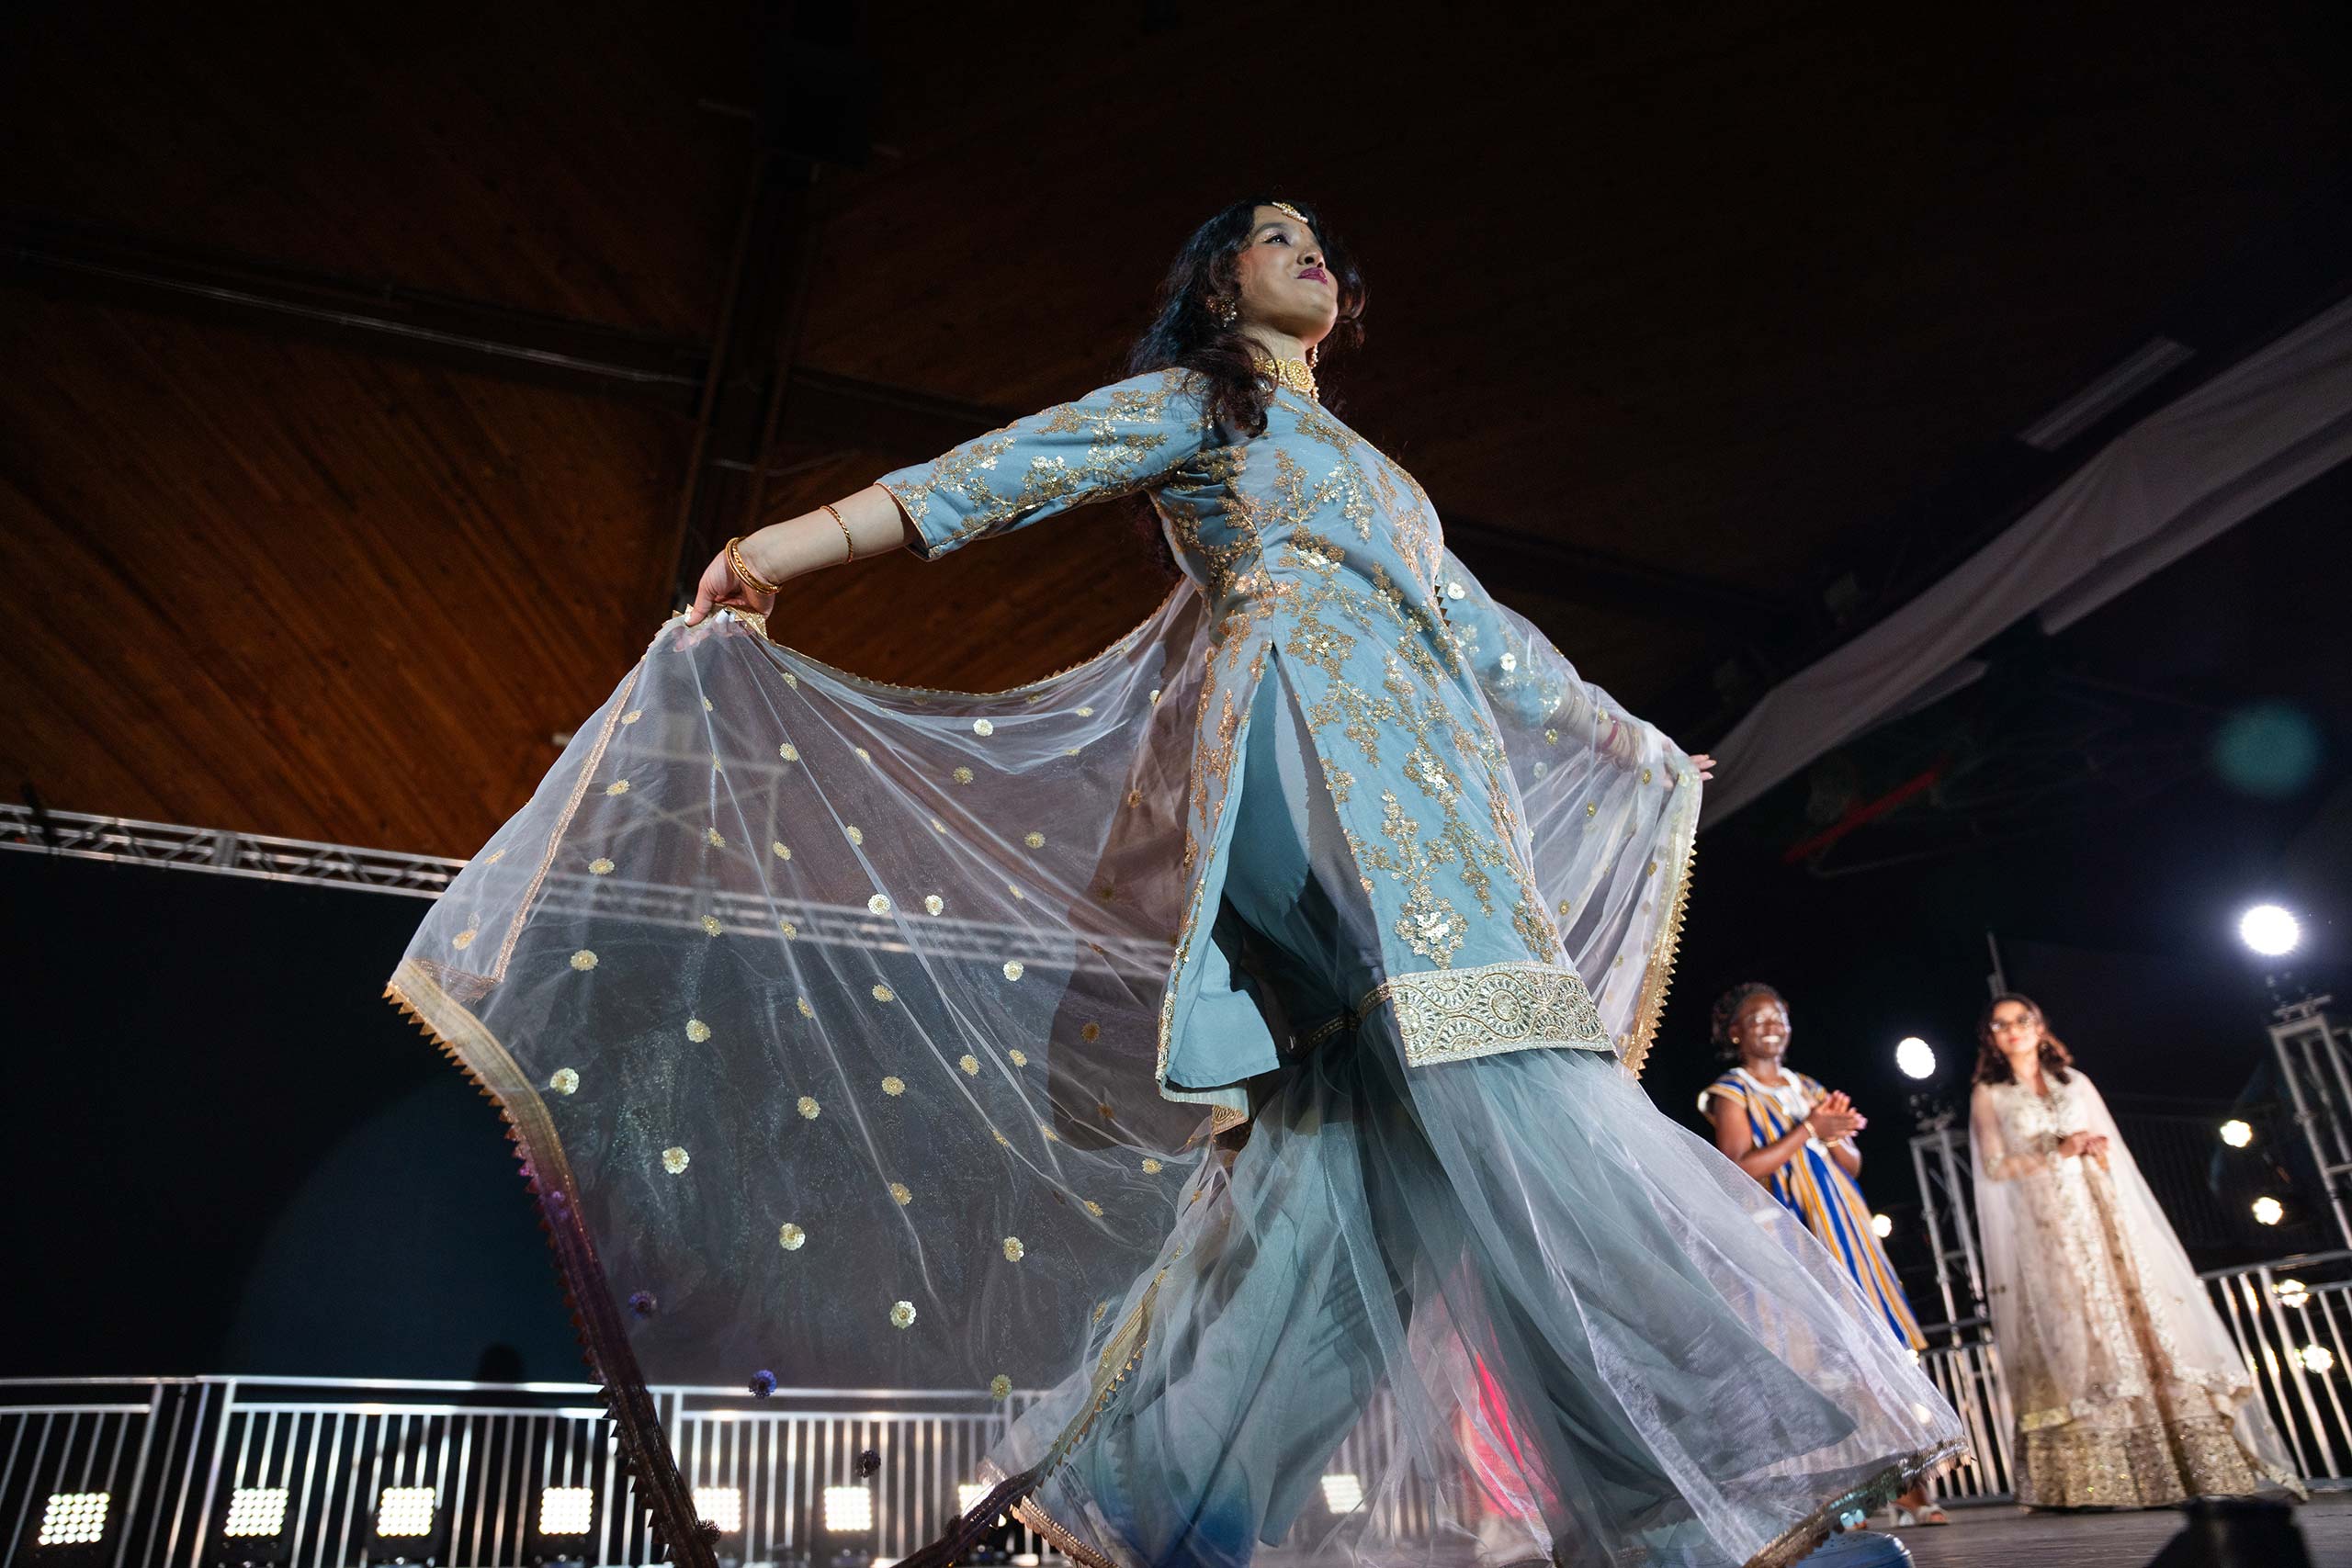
(2126, 1389)
(876, 1037)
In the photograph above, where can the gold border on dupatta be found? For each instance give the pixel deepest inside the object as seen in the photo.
(546, 1173)
(1657, 975)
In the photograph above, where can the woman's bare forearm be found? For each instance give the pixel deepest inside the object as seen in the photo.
(870, 525)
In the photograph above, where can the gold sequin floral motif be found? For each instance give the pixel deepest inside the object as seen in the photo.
(600, 867)
(963, 775)
(1089, 1032)
(884, 993)
(619, 787)
(1035, 840)
(780, 850)
(714, 837)
(855, 834)
(464, 939)
(565, 1081)
(583, 960)
(673, 1161)
(1000, 1387)
(711, 925)
(809, 1108)
(902, 1315)
(894, 1086)
(1020, 1059)
(698, 1030)
(900, 1194)
(789, 928)
(982, 727)
(802, 1003)
(788, 751)
(1152, 1168)
(879, 903)
(1013, 1250)
(791, 1238)
(1012, 969)
(932, 903)
(971, 1066)
(632, 715)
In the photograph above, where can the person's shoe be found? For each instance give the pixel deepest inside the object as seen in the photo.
(1860, 1548)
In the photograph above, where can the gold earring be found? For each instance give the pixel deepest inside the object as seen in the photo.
(1223, 308)
(1314, 352)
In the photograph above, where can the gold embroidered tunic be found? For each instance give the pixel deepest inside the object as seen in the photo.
(1314, 551)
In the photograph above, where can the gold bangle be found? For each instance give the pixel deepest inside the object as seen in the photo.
(836, 511)
(742, 568)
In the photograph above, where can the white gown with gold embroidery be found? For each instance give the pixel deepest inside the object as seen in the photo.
(2128, 1389)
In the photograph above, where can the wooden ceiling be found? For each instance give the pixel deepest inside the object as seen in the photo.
(1710, 291)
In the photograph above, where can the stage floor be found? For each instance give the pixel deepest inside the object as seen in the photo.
(2003, 1537)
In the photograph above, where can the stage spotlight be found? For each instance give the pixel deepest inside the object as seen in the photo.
(1915, 1057)
(2236, 1134)
(2269, 1211)
(73, 1519)
(404, 1511)
(2270, 930)
(1343, 1492)
(849, 1510)
(2293, 1293)
(255, 1513)
(1881, 1226)
(2317, 1358)
(721, 1506)
(566, 1510)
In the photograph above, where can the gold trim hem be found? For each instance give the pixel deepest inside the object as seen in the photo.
(1799, 1541)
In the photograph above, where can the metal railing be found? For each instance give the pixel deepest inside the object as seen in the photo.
(324, 1472)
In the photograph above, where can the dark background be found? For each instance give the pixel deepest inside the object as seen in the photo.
(1709, 334)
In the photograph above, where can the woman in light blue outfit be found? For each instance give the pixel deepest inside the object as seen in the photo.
(1451, 1282)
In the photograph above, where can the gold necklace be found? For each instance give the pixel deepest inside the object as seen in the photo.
(1295, 374)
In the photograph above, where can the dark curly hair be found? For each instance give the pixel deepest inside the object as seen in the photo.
(1993, 1066)
(1227, 366)
(1726, 1014)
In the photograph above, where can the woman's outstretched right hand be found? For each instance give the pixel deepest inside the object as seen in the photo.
(718, 589)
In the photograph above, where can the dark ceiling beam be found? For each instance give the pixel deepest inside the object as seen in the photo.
(82, 261)
(145, 274)
(817, 407)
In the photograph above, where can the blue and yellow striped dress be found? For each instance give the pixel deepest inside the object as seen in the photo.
(1820, 1193)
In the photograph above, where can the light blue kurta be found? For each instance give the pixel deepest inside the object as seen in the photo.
(1320, 555)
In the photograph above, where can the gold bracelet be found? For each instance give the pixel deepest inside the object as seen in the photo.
(836, 511)
(752, 581)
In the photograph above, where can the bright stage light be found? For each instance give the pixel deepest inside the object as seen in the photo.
(2269, 1211)
(1881, 1226)
(73, 1519)
(258, 1512)
(1343, 1492)
(404, 1511)
(2293, 1293)
(723, 1506)
(2318, 1358)
(849, 1510)
(566, 1510)
(2270, 930)
(1915, 1057)
(2236, 1134)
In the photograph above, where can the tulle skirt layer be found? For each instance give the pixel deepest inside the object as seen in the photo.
(1499, 1308)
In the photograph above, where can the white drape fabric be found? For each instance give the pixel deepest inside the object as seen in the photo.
(2180, 478)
